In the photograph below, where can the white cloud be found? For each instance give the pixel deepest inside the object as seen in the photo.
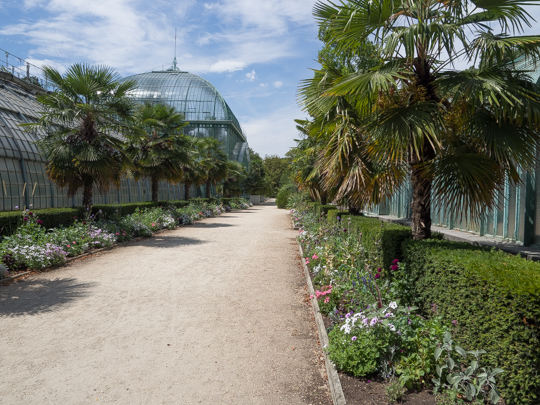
(227, 66)
(251, 75)
(263, 85)
(274, 133)
(278, 84)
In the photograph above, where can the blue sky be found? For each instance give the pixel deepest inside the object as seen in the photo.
(255, 52)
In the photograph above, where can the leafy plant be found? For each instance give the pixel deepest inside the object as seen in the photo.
(465, 378)
(394, 391)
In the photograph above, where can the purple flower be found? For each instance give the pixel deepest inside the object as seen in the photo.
(353, 338)
(344, 230)
(394, 267)
(377, 275)
(25, 219)
(39, 222)
(379, 270)
(16, 207)
(454, 322)
(395, 261)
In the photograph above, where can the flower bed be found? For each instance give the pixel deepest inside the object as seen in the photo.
(33, 246)
(375, 331)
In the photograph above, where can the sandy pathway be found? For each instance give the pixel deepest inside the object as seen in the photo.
(212, 313)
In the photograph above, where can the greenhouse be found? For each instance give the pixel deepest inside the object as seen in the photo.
(203, 107)
(23, 176)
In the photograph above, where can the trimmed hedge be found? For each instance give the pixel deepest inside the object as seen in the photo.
(320, 209)
(495, 299)
(51, 217)
(382, 240)
(334, 214)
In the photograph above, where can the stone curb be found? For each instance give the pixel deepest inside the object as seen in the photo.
(338, 397)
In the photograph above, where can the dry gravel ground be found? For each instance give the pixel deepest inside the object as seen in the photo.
(213, 313)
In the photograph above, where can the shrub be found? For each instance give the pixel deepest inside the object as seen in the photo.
(333, 214)
(493, 299)
(51, 217)
(323, 209)
(283, 196)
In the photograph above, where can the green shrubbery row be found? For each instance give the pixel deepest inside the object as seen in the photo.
(492, 297)
(56, 217)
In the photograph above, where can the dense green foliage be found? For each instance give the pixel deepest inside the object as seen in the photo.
(283, 195)
(494, 299)
(333, 215)
(276, 170)
(51, 217)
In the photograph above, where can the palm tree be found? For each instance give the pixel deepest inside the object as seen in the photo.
(194, 172)
(82, 120)
(214, 162)
(460, 134)
(232, 184)
(157, 147)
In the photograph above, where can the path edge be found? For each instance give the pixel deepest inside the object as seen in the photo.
(333, 378)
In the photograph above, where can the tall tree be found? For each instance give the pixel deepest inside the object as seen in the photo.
(157, 147)
(82, 120)
(460, 134)
(214, 162)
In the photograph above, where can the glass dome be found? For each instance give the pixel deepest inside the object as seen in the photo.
(203, 106)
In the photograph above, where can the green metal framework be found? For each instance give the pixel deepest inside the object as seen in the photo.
(204, 108)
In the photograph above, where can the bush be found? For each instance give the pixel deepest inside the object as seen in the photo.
(51, 217)
(333, 214)
(323, 209)
(493, 299)
(283, 195)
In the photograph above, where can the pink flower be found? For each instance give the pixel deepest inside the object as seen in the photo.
(153, 224)
(395, 261)
(311, 296)
(68, 246)
(379, 270)
(314, 257)
(394, 267)
(74, 243)
(377, 275)
(117, 234)
(327, 300)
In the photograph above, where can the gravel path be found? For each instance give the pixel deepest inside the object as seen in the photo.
(214, 313)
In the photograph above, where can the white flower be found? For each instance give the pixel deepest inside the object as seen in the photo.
(393, 305)
(391, 327)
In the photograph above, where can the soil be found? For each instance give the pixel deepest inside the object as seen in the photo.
(214, 313)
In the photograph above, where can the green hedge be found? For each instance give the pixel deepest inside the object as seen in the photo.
(51, 217)
(323, 209)
(334, 214)
(382, 240)
(200, 200)
(495, 299)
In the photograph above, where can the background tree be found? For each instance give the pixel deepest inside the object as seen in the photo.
(232, 184)
(459, 134)
(214, 162)
(157, 147)
(82, 119)
(274, 167)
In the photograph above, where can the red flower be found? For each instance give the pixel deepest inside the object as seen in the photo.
(395, 261)
(25, 219)
(394, 267)
(377, 275)
(30, 213)
(39, 222)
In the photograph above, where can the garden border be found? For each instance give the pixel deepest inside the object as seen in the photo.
(92, 252)
(334, 382)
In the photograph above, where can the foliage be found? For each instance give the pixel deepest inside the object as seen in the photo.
(156, 146)
(275, 168)
(465, 378)
(283, 196)
(494, 301)
(80, 119)
(394, 391)
(405, 113)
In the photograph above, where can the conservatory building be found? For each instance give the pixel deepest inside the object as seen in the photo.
(203, 107)
(23, 178)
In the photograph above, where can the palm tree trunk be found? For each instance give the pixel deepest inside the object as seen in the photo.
(155, 188)
(187, 188)
(421, 199)
(208, 185)
(87, 194)
(354, 210)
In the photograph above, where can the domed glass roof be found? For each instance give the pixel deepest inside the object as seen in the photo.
(190, 94)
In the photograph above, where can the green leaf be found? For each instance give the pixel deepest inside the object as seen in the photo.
(470, 392)
(461, 351)
(494, 395)
(438, 352)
